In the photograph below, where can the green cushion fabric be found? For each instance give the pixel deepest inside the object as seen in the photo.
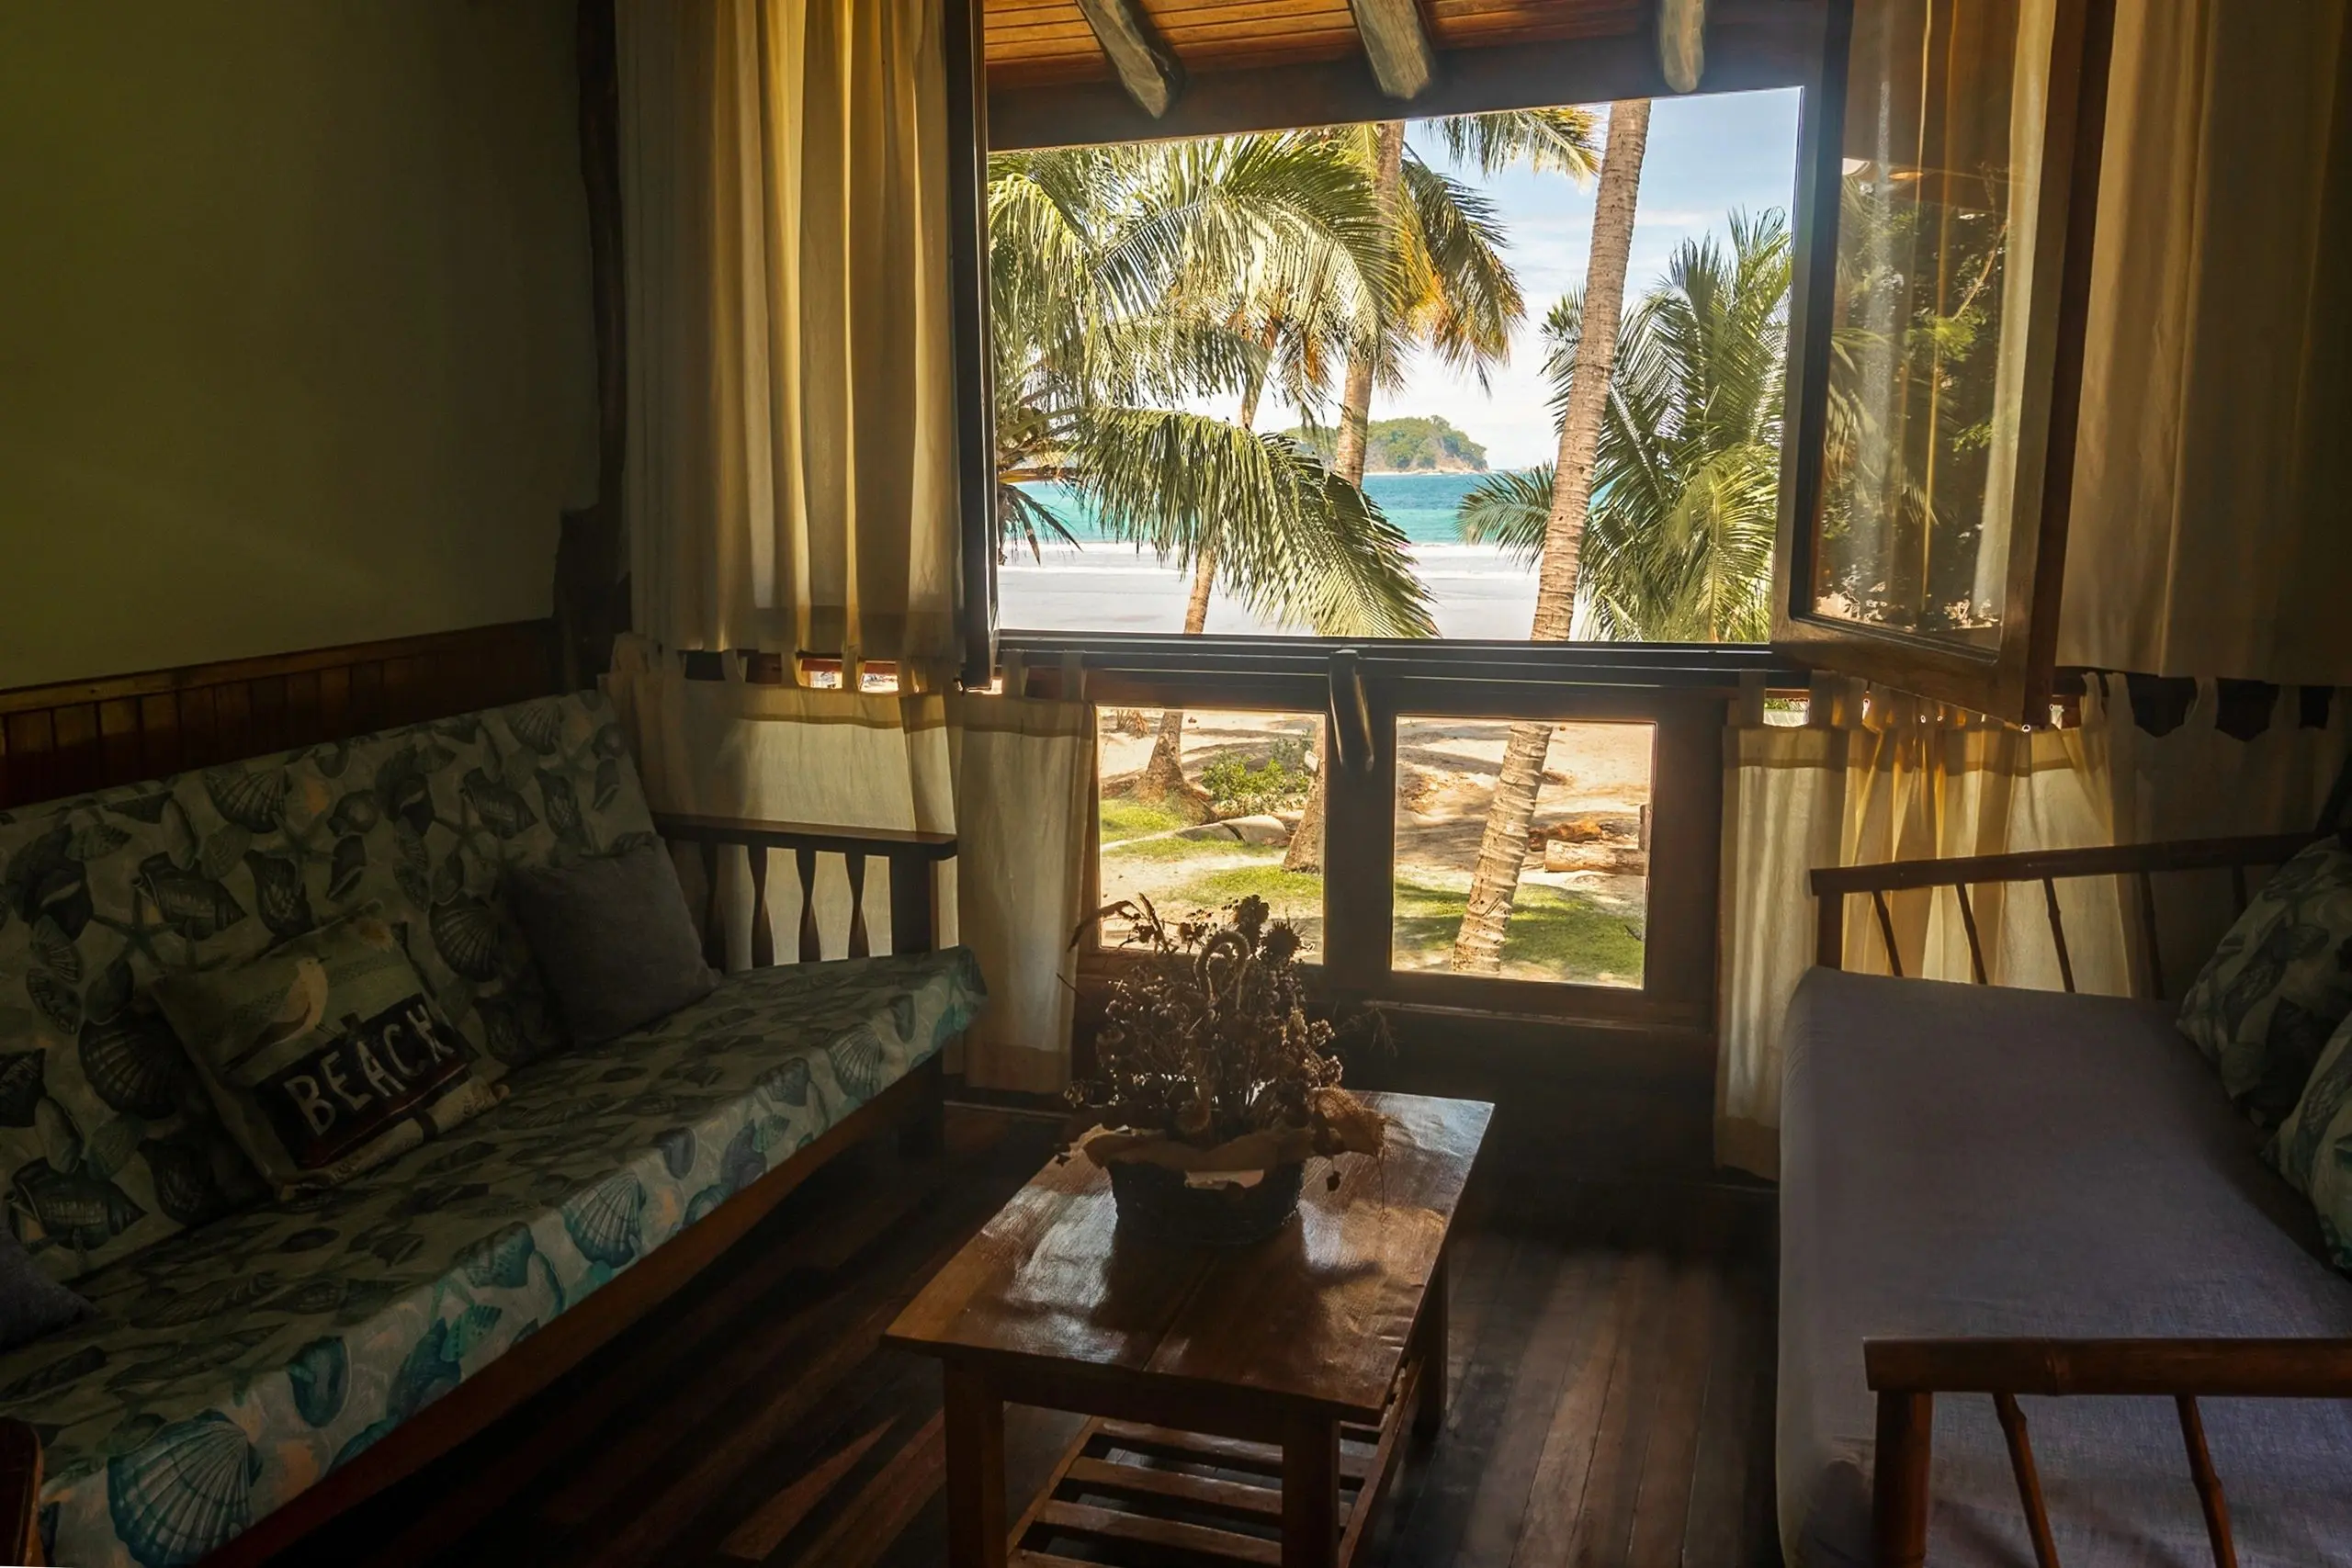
(2312, 1148)
(229, 1368)
(325, 1057)
(108, 1141)
(2279, 984)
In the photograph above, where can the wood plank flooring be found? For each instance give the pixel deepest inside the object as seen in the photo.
(1611, 1365)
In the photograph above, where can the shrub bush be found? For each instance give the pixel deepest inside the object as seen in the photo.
(1235, 789)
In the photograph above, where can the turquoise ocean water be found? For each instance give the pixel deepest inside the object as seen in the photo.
(1420, 504)
(1100, 584)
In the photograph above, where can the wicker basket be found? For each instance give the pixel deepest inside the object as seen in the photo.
(1156, 1204)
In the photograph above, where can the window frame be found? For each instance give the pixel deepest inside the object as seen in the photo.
(2014, 680)
(1682, 690)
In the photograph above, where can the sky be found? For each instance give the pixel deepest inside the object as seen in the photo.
(1708, 154)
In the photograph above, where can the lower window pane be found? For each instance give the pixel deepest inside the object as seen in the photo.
(1203, 808)
(1572, 840)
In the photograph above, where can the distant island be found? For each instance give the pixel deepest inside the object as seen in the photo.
(1410, 446)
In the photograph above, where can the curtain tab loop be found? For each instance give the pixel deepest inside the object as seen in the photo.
(1748, 708)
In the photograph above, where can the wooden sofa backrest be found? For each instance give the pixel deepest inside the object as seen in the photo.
(912, 856)
(2135, 863)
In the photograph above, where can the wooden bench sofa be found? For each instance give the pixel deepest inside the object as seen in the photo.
(256, 1367)
(2045, 1203)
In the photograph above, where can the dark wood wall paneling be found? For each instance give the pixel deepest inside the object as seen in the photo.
(78, 736)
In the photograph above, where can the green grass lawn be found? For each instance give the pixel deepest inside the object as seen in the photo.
(1281, 889)
(1553, 934)
(1561, 936)
(1124, 818)
(1181, 848)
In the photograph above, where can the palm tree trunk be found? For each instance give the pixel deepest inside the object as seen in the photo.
(1502, 851)
(1355, 399)
(1306, 852)
(1163, 776)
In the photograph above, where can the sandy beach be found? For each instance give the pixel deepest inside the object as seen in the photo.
(1104, 586)
(1582, 902)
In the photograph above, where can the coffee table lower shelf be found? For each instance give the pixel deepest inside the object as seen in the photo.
(1105, 1495)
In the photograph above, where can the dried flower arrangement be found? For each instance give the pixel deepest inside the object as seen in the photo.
(1207, 1061)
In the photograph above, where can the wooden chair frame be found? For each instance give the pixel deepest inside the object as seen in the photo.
(2135, 863)
(915, 1104)
(1907, 1374)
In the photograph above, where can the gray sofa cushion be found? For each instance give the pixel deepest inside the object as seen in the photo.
(613, 937)
(1960, 1159)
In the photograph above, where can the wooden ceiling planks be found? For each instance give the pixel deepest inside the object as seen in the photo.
(1037, 42)
(1482, 24)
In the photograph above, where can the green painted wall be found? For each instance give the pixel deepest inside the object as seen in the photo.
(295, 344)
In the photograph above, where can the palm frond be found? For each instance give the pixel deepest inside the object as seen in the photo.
(1510, 510)
(1021, 518)
(1685, 484)
(1465, 297)
(1300, 545)
(1549, 140)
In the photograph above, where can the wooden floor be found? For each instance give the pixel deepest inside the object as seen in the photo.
(1612, 1393)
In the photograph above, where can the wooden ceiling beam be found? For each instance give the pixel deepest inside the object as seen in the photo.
(1151, 74)
(1396, 43)
(1682, 42)
(1753, 44)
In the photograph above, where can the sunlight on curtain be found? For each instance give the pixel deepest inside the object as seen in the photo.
(1876, 775)
(791, 413)
(1013, 778)
(2212, 532)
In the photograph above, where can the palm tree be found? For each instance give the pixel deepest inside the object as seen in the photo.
(1127, 282)
(1458, 297)
(1502, 848)
(1686, 479)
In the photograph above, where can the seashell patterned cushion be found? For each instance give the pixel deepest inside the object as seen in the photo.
(2279, 984)
(229, 1368)
(108, 1142)
(324, 1056)
(2307, 1147)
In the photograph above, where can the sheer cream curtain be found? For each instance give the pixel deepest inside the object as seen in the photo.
(790, 481)
(1873, 775)
(1011, 777)
(2212, 528)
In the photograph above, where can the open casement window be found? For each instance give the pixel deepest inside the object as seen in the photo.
(1949, 186)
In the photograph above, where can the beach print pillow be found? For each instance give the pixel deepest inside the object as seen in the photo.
(326, 1057)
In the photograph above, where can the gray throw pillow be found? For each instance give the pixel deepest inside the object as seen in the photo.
(613, 939)
(31, 1304)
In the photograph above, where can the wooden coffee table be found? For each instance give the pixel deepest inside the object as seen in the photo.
(1300, 1363)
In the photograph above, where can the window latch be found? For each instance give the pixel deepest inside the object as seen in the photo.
(1351, 714)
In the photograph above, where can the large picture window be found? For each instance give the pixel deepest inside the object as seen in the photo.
(1403, 495)
(1311, 383)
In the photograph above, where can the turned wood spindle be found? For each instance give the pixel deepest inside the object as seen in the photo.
(811, 949)
(714, 928)
(856, 866)
(763, 933)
